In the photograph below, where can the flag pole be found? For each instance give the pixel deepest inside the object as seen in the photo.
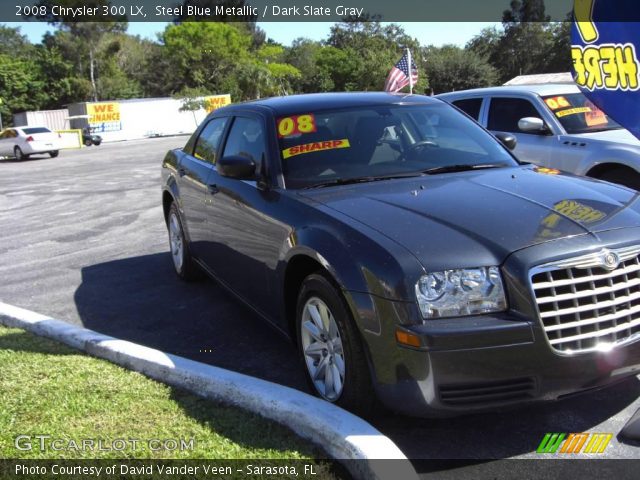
(410, 63)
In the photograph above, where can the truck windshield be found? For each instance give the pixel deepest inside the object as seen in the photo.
(579, 115)
(321, 148)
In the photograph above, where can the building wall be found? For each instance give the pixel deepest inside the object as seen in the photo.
(52, 119)
(137, 118)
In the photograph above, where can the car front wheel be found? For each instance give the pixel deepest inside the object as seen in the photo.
(331, 348)
(622, 176)
(183, 263)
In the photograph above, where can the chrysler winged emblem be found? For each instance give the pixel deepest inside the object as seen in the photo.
(609, 260)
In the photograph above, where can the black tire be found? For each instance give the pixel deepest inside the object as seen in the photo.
(17, 153)
(357, 393)
(187, 269)
(97, 142)
(54, 154)
(622, 176)
(88, 142)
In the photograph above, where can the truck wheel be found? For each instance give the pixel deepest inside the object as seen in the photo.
(183, 263)
(331, 349)
(623, 176)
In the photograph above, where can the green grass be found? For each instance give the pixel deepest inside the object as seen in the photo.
(47, 388)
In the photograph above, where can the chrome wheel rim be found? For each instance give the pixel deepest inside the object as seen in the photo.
(175, 241)
(18, 154)
(322, 349)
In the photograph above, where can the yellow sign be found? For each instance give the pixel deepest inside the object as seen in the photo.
(572, 111)
(104, 112)
(216, 101)
(315, 147)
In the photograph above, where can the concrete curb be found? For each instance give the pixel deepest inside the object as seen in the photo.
(342, 435)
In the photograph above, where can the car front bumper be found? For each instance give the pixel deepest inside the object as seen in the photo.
(486, 362)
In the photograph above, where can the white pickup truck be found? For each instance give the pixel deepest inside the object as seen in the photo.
(556, 126)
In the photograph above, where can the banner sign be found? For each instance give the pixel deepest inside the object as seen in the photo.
(605, 58)
(216, 101)
(104, 117)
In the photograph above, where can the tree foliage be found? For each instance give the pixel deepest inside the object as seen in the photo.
(527, 44)
(100, 61)
(453, 68)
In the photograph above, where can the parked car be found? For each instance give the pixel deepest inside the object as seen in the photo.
(20, 142)
(408, 253)
(89, 138)
(558, 127)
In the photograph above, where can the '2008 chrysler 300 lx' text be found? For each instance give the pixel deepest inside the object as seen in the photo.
(413, 259)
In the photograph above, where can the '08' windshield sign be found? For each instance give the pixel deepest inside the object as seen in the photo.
(605, 58)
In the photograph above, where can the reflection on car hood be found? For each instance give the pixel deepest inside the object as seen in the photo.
(479, 217)
(618, 136)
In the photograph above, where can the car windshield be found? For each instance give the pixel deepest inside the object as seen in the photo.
(30, 131)
(374, 143)
(579, 115)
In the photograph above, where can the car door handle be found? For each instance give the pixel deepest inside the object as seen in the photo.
(182, 172)
(213, 188)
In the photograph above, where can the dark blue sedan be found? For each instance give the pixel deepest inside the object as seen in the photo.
(414, 261)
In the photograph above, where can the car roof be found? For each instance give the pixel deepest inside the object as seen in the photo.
(541, 89)
(328, 101)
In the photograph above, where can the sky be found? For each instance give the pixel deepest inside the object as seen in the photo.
(428, 33)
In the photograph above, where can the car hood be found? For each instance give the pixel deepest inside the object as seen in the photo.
(617, 136)
(479, 218)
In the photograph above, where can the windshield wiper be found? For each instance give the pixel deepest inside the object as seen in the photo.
(349, 181)
(461, 168)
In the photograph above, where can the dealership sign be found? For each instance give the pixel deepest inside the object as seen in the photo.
(605, 58)
(104, 116)
(216, 101)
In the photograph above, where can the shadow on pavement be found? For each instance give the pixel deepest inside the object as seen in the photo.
(140, 299)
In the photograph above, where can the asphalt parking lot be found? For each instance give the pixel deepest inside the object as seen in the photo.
(83, 240)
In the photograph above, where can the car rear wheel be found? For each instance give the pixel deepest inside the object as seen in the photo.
(54, 154)
(330, 347)
(17, 152)
(183, 263)
(88, 142)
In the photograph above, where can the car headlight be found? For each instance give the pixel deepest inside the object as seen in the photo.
(456, 293)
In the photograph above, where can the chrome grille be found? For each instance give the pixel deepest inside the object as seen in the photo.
(590, 302)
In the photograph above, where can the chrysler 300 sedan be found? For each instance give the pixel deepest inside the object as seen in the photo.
(412, 258)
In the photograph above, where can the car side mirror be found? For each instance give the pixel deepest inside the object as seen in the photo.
(533, 125)
(508, 140)
(237, 166)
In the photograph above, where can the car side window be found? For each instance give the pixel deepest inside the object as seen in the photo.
(246, 139)
(470, 106)
(209, 140)
(505, 113)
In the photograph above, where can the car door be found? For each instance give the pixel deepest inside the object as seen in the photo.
(3, 143)
(6, 142)
(504, 113)
(245, 239)
(194, 168)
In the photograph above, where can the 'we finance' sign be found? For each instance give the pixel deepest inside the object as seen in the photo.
(104, 116)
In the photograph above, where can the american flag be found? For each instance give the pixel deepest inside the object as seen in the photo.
(399, 75)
